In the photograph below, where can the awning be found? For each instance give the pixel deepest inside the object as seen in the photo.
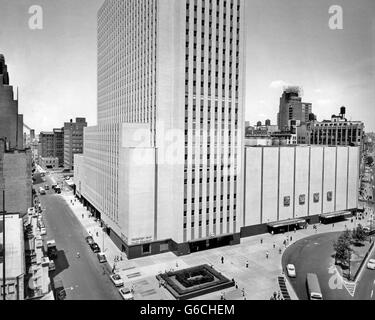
(285, 223)
(336, 214)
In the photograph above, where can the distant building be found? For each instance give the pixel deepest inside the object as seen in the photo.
(292, 108)
(337, 132)
(49, 163)
(15, 269)
(11, 123)
(47, 144)
(58, 145)
(73, 141)
(267, 135)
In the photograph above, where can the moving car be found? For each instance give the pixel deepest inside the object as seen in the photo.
(90, 240)
(126, 294)
(371, 264)
(95, 247)
(101, 257)
(117, 280)
(57, 189)
(291, 269)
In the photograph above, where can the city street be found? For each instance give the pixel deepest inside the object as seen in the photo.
(83, 278)
(314, 255)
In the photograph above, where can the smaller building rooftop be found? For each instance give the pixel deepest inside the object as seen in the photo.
(14, 246)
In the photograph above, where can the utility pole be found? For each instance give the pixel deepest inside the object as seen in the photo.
(4, 278)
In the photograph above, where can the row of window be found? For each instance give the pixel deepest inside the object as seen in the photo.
(208, 199)
(208, 222)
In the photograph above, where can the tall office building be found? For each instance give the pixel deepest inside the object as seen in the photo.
(46, 144)
(58, 145)
(163, 167)
(292, 108)
(11, 123)
(73, 140)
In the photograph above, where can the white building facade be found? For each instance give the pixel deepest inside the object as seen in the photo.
(163, 168)
(298, 182)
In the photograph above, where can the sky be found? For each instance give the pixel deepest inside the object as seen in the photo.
(289, 42)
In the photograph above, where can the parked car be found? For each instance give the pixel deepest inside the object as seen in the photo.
(291, 270)
(117, 280)
(31, 211)
(43, 231)
(371, 264)
(42, 191)
(46, 187)
(90, 240)
(95, 247)
(101, 257)
(126, 294)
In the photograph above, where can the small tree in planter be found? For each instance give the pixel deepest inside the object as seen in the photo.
(343, 247)
(359, 235)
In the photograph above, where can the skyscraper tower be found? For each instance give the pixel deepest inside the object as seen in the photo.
(163, 168)
(11, 123)
(292, 108)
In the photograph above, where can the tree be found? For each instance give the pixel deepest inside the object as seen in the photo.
(343, 247)
(359, 234)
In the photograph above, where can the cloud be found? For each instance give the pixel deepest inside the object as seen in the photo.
(324, 101)
(278, 84)
(262, 102)
(318, 90)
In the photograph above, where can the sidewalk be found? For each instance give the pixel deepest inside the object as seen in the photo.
(259, 280)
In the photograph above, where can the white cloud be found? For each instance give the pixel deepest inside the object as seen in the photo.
(318, 90)
(324, 101)
(278, 84)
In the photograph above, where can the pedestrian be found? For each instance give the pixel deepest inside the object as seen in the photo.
(82, 216)
(222, 260)
(261, 240)
(333, 225)
(274, 245)
(267, 254)
(247, 263)
(278, 296)
(272, 232)
(236, 286)
(176, 264)
(291, 238)
(280, 250)
(78, 255)
(97, 233)
(243, 292)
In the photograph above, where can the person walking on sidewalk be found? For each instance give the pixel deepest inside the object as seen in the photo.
(267, 255)
(247, 263)
(222, 260)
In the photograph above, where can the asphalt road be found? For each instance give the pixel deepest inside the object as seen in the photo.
(83, 278)
(313, 255)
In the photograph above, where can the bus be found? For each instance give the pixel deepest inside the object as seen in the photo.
(313, 287)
